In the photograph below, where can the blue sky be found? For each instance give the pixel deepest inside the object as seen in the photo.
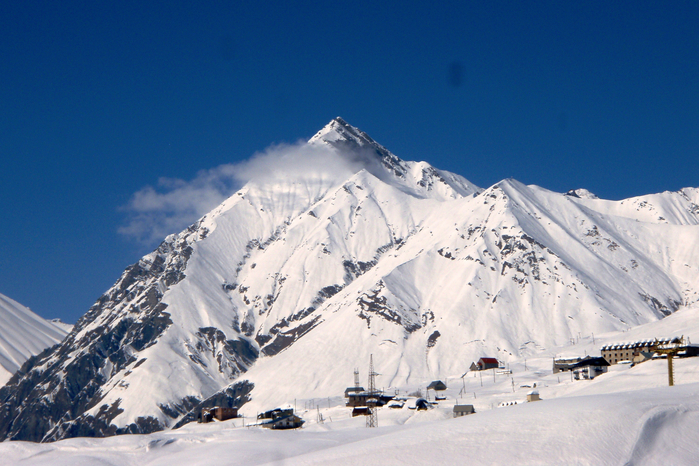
(99, 101)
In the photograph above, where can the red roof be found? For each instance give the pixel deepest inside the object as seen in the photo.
(489, 360)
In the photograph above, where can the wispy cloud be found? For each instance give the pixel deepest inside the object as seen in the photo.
(156, 211)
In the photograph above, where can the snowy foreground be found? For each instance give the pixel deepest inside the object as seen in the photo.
(626, 416)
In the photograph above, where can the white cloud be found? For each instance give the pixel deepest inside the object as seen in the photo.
(154, 212)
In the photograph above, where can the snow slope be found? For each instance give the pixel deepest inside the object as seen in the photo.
(22, 335)
(292, 282)
(631, 427)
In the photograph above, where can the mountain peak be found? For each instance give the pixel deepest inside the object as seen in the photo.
(346, 138)
(339, 131)
(581, 193)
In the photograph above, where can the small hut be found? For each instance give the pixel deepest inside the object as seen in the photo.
(533, 396)
(437, 385)
(463, 410)
(217, 412)
(487, 363)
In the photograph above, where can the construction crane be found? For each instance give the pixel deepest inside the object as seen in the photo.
(670, 349)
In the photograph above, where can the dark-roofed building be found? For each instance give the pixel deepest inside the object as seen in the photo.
(362, 398)
(422, 404)
(589, 368)
(463, 410)
(275, 413)
(564, 364)
(349, 390)
(361, 411)
(290, 421)
(437, 385)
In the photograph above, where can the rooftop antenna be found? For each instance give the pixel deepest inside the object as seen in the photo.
(372, 400)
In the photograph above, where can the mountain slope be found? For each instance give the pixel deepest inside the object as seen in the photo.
(22, 334)
(293, 281)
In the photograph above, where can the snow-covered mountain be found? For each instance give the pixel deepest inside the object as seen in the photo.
(283, 289)
(23, 334)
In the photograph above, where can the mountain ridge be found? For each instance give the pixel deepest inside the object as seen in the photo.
(24, 334)
(301, 279)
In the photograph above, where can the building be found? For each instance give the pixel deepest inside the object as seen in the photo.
(463, 410)
(217, 412)
(361, 411)
(437, 385)
(290, 421)
(275, 413)
(533, 396)
(485, 363)
(355, 399)
(350, 390)
(589, 368)
(564, 364)
(616, 352)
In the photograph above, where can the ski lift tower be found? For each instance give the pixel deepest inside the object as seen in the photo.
(373, 396)
(670, 349)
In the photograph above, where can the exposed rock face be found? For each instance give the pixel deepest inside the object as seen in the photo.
(48, 399)
(289, 284)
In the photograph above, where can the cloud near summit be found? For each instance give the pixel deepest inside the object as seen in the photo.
(154, 212)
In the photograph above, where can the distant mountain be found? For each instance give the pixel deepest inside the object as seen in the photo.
(62, 325)
(283, 289)
(23, 334)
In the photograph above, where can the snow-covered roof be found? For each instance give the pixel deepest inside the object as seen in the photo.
(638, 343)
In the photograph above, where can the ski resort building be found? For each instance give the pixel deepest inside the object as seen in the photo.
(616, 352)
